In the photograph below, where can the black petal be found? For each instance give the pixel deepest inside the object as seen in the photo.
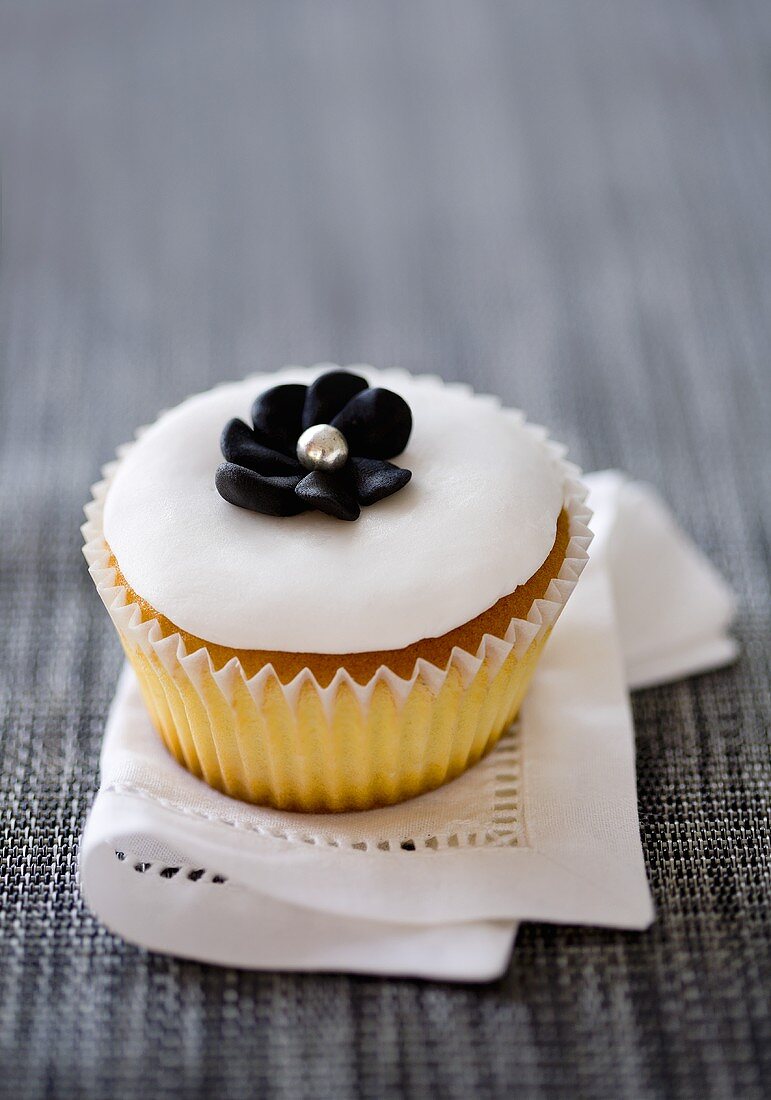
(239, 445)
(328, 395)
(376, 423)
(276, 415)
(330, 493)
(375, 479)
(273, 496)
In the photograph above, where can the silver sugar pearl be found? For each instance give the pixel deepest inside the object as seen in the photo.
(322, 447)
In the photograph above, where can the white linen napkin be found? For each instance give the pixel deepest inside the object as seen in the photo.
(544, 828)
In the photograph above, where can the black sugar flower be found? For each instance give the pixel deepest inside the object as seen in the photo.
(321, 446)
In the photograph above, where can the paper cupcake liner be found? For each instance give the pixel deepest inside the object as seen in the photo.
(347, 746)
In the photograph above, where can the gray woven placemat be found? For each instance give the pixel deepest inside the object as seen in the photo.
(565, 203)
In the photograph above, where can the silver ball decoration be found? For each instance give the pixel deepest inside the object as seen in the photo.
(322, 447)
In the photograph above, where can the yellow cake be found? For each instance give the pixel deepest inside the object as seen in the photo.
(293, 658)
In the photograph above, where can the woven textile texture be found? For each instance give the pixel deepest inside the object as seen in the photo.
(564, 203)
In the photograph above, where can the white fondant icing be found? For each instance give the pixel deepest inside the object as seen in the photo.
(477, 520)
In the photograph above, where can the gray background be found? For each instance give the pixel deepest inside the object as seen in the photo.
(564, 203)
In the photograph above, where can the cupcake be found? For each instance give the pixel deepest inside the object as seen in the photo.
(334, 585)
